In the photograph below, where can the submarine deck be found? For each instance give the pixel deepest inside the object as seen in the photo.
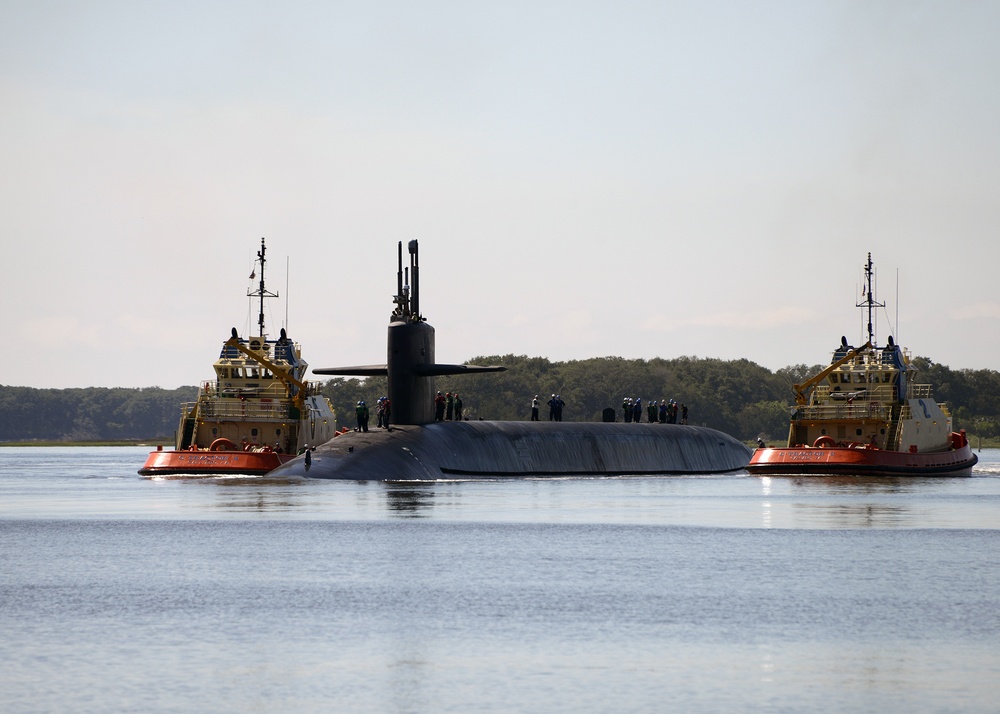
(511, 449)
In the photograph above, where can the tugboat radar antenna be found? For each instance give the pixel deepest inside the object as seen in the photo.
(869, 301)
(261, 292)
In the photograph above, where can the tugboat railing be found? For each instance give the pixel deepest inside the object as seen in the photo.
(876, 411)
(245, 410)
(864, 393)
(853, 411)
(906, 413)
(235, 409)
(252, 389)
(271, 403)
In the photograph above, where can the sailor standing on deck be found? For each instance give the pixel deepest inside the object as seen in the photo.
(361, 412)
(534, 408)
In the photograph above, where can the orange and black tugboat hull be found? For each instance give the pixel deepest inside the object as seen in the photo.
(204, 462)
(841, 460)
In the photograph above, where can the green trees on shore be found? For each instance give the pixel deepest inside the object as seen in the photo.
(90, 414)
(738, 397)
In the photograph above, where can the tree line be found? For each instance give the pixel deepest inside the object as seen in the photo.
(738, 397)
(91, 413)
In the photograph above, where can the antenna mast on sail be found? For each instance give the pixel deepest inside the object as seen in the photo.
(261, 292)
(407, 298)
(869, 299)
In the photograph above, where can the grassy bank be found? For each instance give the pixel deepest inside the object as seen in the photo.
(987, 442)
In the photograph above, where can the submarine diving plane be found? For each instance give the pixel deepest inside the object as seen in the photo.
(416, 448)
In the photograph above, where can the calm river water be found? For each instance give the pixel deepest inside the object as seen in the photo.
(688, 594)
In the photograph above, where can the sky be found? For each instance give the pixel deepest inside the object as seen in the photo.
(639, 179)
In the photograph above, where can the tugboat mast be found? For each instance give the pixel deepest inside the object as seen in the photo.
(261, 292)
(869, 299)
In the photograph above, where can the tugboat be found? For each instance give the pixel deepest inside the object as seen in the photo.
(866, 415)
(258, 412)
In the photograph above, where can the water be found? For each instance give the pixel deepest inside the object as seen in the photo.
(694, 594)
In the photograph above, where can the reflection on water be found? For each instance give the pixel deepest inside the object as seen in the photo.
(258, 494)
(257, 500)
(408, 500)
(865, 515)
(100, 482)
(864, 484)
(874, 502)
(722, 501)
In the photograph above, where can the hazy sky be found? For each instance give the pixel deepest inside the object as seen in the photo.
(642, 179)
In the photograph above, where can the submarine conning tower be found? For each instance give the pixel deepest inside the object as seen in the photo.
(410, 366)
(410, 347)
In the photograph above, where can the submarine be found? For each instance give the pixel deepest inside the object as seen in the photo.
(417, 448)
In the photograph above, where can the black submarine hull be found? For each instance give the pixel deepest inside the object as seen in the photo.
(510, 449)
